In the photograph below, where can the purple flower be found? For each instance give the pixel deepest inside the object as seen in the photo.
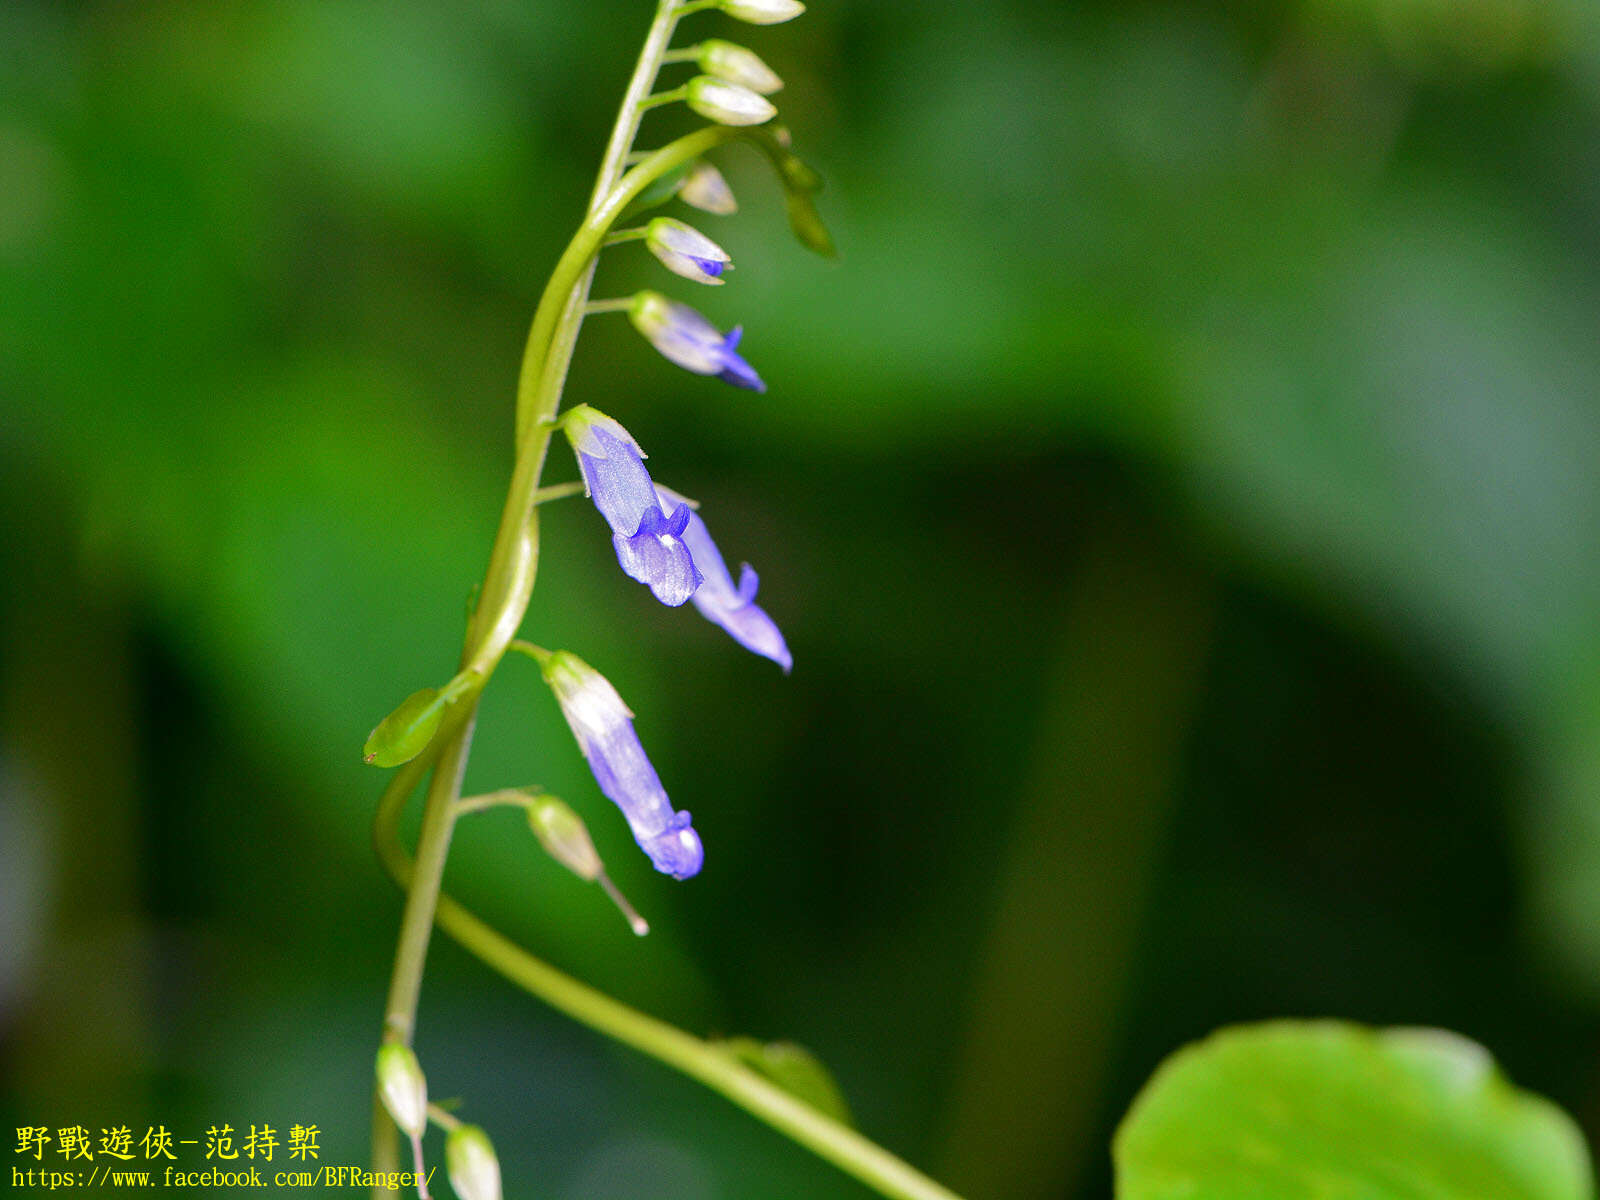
(717, 598)
(694, 343)
(647, 535)
(603, 726)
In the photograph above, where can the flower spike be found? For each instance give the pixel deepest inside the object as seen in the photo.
(603, 725)
(719, 601)
(686, 251)
(694, 343)
(648, 539)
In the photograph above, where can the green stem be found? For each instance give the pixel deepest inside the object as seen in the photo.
(695, 1057)
(660, 98)
(512, 797)
(558, 491)
(617, 304)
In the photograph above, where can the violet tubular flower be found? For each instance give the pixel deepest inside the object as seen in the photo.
(719, 600)
(694, 343)
(603, 725)
(648, 536)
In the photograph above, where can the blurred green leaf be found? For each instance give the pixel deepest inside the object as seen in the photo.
(1322, 1109)
(795, 1069)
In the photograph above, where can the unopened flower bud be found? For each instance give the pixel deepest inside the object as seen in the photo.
(763, 12)
(403, 1089)
(705, 188)
(564, 837)
(470, 1160)
(686, 251)
(737, 65)
(727, 103)
(406, 732)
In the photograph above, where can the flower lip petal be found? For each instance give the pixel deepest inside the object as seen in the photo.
(719, 600)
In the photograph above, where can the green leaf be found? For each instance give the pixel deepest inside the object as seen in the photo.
(793, 1068)
(1289, 1110)
(406, 732)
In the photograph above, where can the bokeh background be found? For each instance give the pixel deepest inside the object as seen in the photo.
(1180, 499)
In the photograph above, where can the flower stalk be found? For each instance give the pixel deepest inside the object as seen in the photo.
(503, 600)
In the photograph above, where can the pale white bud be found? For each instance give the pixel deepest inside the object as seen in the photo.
(402, 1088)
(737, 65)
(727, 103)
(470, 1160)
(705, 188)
(763, 12)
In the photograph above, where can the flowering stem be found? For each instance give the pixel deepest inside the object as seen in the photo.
(619, 304)
(508, 583)
(695, 1057)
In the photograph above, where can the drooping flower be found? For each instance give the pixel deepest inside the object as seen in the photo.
(603, 725)
(734, 63)
(694, 343)
(686, 251)
(722, 603)
(648, 538)
(705, 188)
(727, 103)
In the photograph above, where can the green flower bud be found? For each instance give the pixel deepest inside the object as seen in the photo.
(705, 188)
(470, 1160)
(737, 65)
(402, 1088)
(763, 12)
(726, 103)
(807, 224)
(406, 732)
(564, 837)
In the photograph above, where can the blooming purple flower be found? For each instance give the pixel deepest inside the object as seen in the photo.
(694, 343)
(717, 598)
(647, 535)
(603, 725)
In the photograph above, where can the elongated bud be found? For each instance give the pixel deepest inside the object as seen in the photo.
(685, 337)
(403, 1089)
(762, 12)
(406, 732)
(564, 837)
(603, 726)
(470, 1160)
(686, 251)
(705, 188)
(737, 65)
(727, 103)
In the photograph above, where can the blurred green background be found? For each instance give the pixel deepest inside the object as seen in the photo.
(1180, 500)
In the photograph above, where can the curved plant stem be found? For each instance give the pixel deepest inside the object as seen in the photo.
(695, 1057)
